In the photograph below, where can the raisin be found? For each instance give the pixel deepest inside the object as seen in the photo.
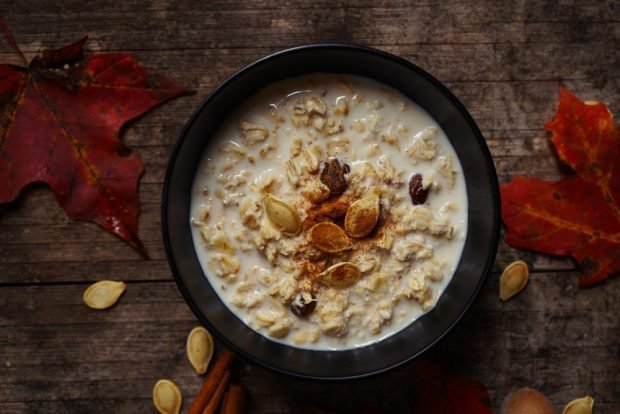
(303, 304)
(417, 192)
(333, 177)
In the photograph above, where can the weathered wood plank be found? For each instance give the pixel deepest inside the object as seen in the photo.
(241, 24)
(57, 352)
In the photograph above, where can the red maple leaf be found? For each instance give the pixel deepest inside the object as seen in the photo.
(438, 391)
(60, 118)
(578, 215)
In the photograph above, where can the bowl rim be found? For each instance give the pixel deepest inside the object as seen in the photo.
(481, 146)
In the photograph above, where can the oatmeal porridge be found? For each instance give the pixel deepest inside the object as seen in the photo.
(329, 211)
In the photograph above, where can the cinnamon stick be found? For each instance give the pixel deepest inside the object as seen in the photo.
(235, 401)
(216, 398)
(220, 368)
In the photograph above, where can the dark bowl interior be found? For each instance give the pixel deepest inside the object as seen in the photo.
(483, 217)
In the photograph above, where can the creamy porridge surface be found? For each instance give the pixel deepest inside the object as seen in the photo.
(329, 211)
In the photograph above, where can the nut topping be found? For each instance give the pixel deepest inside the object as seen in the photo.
(329, 238)
(281, 215)
(362, 216)
(315, 191)
(341, 275)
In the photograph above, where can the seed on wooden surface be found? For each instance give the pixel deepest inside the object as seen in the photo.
(167, 397)
(103, 294)
(513, 279)
(579, 406)
(199, 349)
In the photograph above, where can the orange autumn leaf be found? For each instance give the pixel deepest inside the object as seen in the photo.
(60, 117)
(580, 214)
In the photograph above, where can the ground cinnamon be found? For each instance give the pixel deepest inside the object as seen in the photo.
(329, 210)
(214, 378)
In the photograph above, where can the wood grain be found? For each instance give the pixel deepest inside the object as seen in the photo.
(504, 60)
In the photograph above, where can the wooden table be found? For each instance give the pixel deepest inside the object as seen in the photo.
(504, 60)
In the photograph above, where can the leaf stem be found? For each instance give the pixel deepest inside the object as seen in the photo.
(9, 37)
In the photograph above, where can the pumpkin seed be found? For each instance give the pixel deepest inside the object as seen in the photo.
(513, 279)
(362, 216)
(579, 406)
(329, 237)
(199, 349)
(282, 216)
(167, 397)
(341, 275)
(103, 294)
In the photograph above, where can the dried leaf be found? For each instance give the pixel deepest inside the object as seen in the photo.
(439, 391)
(60, 119)
(578, 215)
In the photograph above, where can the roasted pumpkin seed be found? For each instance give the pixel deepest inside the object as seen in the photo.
(199, 349)
(341, 275)
(328, 237)
(282, 215)
(362, 216)
(579, 406)
(513, 279)
(103, 294)
(167, 397)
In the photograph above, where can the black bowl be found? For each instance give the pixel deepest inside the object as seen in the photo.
(483, 217)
